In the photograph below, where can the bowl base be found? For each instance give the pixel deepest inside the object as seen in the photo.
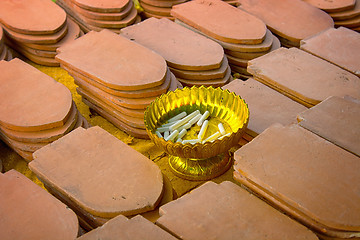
(200, 169)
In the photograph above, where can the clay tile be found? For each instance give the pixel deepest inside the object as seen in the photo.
(31, 100)
(104, 176)
(329, 45)
(221, 21)
(128, 229)
(125, 65)
(266, 105)
(181, 47)
(337, 120)
(29, 212)
(303, 77)
(333, 6)
(37, 16)
(103, 5)
(294, 19)
(225, 211)
(305, 176)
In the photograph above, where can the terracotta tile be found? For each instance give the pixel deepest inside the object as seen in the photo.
(237, 61)
(307, 177)
(332, 6)
(163, 3)
(31, 101)
(126, 21)
(126, 65)
(302, 20)
(150, 15)
(37, 39)
(161, 11)
(105, 6)
(325, 44)
(105, 162)
(240, 70)
(303, 77)
(266, 105)
(336, 120)
(116, 16)
(263, 46)
(251, 55)
(124, 228)
(1, 166)
(114, 119)
(150, 92)
(223, 211)
(221, 21)
(182, 48)
(123, 114)
(29, 212)
(213, 82)
(202, 75)
(343, 15)
(349, 23)
(50, 20)
(47, 135)
(23, 146)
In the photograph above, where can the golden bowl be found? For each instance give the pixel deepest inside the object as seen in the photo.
(200, 161)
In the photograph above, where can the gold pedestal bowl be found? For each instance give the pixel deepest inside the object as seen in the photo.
(203, 160)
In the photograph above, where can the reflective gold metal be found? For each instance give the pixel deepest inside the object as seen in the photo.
(199, 161)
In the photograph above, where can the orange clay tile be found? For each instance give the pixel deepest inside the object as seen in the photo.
(303, 77)
(329, 45)
(212, 82)
(34, 17)
(337, 120)
(105, 162)
(226, 211)
(29, 212)
(125, 65)
(182, 48)
(307, 177)
(221, 21)
(294, 19)
(333, 6)
(31, 100)
(163, 3)
(128, 229)
(105, 6)
(150, 92)
(348, 14)
(267, 106)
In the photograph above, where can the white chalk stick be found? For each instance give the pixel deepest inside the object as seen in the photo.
(213, 137)
(182, 133)
(172, 136)
(203, 117)
(166, 134)
(158, 134)
(191, 141)
(177, 117)
(162, 129)
(183, 121)
(221, 129)
(203, 129)
(195, 119)
(226, 135)
(179, 140)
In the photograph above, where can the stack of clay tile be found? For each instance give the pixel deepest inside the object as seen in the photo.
(243, 36)
(5, 53)
(267, 106)
(290, 20)
(226, 211)
(29, 212)
(98, 176)
(193, 58)
(123, 228)
(306, 177)
(303, 77)
(35, 28)
(337, 120)
(34, 109)
(345, 13)
(339, 46)
(99, 14)
(117, 78)
(159, 8)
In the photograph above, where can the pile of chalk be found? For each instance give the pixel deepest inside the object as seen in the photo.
(177, 127)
